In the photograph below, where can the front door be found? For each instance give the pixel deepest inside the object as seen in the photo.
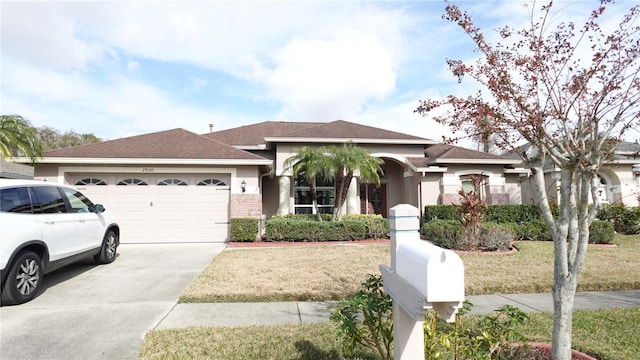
(373, 200)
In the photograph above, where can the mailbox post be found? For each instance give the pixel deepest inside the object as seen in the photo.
(422, 277)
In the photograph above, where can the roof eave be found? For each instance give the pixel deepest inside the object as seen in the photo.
(356, 140)
(153, 161)
(477, 161)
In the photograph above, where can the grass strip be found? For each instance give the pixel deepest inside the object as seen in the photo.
(609, 334)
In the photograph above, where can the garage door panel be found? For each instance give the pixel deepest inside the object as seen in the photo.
(171, 213)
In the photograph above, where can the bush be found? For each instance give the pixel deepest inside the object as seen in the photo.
(377, 227)
(537, 230)
(601, 232)
(625, 220)
(441, 212)
(298, 230)
(512, 213)
(244, 229)
(443, 233)
(495, 237)
(450, 234)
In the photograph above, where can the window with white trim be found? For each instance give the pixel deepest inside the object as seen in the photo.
(468, 186)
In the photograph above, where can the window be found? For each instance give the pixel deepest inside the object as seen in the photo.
(79, 203)
(468, 185)
(211, 182)
(134, 182)
(91, 181)
(15, 200)
(325, 194)
(48, 200)
(172, 182)
(604, 190)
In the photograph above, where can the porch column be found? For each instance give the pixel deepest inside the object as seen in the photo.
(353, 200)
(284, 196)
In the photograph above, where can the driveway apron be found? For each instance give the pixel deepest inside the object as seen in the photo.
(103, 312)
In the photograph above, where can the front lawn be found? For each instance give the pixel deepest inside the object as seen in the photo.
(334, 272)
(606, 334)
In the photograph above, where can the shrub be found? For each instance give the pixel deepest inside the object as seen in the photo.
(495, 237)
(512, 213)
(377, 227)
(625, 220)
(601, 232)
(299, 230)
(537, 230)
(450, 234)
(443, 233)
(440, 212)
(364, 319)
(244, 229)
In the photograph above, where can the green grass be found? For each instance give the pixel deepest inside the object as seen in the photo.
(605, 334)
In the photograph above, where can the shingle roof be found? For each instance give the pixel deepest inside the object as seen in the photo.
(443, 154)
(169, 144)
(254, 135)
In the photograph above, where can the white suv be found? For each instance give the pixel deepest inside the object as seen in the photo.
(44, 226)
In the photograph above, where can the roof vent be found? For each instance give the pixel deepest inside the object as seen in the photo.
(211, 127)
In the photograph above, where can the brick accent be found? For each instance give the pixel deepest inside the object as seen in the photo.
(245, 206)
(499, 199)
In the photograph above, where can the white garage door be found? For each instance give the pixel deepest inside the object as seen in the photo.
(163, 208)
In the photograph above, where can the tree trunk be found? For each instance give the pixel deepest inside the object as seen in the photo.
(564, 291)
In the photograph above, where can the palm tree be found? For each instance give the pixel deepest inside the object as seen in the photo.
(17, 137)
(312, 163)
(345, 160)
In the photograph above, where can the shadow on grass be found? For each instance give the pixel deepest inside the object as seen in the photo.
(308, 351)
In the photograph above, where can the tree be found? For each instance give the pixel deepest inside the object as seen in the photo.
(18, 137)
(312, 163)
(53, 139)
(344, 162)
(567, 91)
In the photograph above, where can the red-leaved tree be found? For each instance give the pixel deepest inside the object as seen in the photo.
(567, 90)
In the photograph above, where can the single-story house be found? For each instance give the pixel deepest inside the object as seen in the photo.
(12, 170)
(177, 185)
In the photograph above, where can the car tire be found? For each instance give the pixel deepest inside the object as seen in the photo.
(24, 279)
(109, 248)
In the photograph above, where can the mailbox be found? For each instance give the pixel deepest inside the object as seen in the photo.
(437, 273)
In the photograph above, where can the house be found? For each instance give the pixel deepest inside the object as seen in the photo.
(12, 170)
(619, 177)
(176, 185)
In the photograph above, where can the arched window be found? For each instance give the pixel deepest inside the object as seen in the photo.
(132, 181)
(172, 182)
(91, 181)
(211, 182)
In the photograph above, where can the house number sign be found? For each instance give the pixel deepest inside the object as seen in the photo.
(147, 170)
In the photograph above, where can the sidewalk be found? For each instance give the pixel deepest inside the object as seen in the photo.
(279, 313)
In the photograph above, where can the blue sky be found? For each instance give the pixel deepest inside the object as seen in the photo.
(124, 68)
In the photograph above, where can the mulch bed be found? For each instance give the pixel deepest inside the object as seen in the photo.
(264, 244)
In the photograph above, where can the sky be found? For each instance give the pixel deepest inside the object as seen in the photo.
(123, 68)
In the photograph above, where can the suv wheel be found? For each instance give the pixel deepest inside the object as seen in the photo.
(109, 246)
(24, 278)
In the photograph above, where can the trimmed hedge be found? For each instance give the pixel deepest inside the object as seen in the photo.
(449, 234)
(244, 229)
(300, 230)
(493, 213)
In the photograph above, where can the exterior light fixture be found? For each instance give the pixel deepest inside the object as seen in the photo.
(243, 186)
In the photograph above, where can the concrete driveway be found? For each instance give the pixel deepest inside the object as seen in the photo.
(103, 312)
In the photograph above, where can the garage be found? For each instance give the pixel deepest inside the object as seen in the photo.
(163, 208)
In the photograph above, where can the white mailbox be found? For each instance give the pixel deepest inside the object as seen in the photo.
(437, 273)
(422, 276)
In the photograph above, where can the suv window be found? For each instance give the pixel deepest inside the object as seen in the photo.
(48, 200)
(79, 203)
(15, 200)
